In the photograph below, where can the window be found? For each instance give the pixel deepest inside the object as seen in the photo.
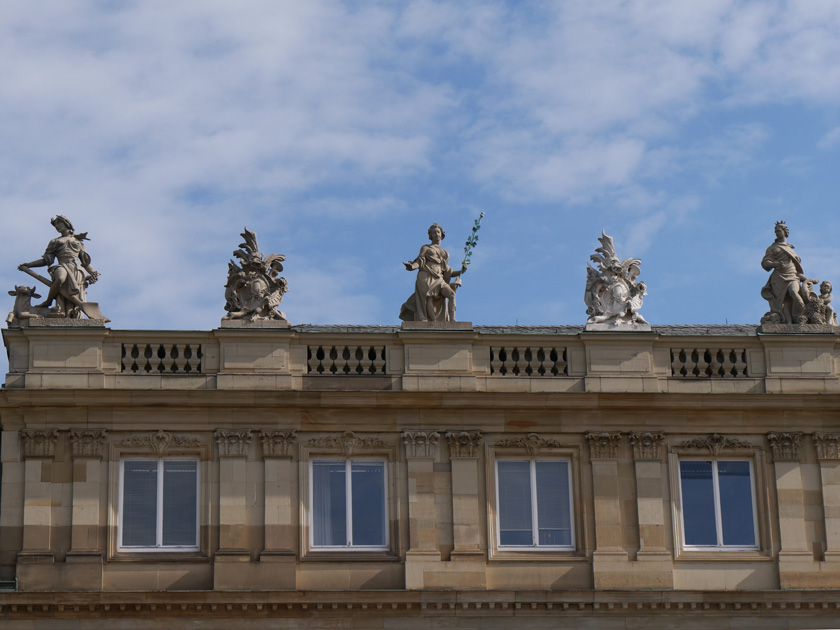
(159, 505)
(718, 504)
(534, 504)
(348, 504)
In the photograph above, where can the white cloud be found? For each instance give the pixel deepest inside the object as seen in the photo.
(830, 139)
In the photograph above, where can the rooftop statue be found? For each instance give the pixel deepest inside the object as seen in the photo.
(253, 290)
(789, 292)
(612, 294)
(70, 274)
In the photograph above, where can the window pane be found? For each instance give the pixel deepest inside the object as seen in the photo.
(698, 500)
(179, 503)
(368, 496)
(736, 505)
(139, 503)
(329, 504)
(515, 503)
(553, 513)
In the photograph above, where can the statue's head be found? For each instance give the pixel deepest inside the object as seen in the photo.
(781, 228)
(825, 287)
(436, 226)
(61, 219)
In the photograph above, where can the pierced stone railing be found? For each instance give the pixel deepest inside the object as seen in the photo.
(345, 360)
(528, 361)
(161, 358)
(709, 362)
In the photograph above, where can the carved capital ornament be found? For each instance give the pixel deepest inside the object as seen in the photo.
(232, 443)
(828, 446)
(421, 444)
(87, 442)
(463, 444)
(603, 445)
(278, 443)
(785, 446)
(647, 445)
(39, 443)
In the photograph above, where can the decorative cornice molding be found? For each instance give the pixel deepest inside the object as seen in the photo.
(603, 445)
(532, 443)
(87, 442)
(278, 443)
(39, 443)
(232, 443)
(347, 442)
(785, 446)
(715, 443)
(463, 444)
(828, 445)
(159, 442)
(647, 445)
(421, 444)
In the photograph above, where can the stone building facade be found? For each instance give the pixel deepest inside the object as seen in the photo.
(419, 477)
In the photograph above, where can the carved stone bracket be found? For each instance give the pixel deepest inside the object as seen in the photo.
(603, 445)
(715, 442)
(38, 443)
(647, 445)
(87, 442)
(828, 445)
(347, 442)
(232, 443)
(785, 446)
(463, 444)
(159, 442)
(531, 443)
(421, 444)
(278, 443)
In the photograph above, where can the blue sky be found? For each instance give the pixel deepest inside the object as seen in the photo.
(338, 131)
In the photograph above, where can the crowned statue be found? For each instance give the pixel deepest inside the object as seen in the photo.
(612, 295)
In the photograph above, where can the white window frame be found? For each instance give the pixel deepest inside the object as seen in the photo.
(348, 462)
(159, 546)
(534, 508)
(718, 516)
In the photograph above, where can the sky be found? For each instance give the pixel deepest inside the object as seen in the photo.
(339, 131)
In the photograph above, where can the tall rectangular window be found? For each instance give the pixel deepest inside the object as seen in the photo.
(718, 504)
(159, 504)
(348, 504)
(534, 504)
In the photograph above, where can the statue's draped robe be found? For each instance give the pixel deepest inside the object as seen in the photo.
(67, 252)
(432, 273)
(782, 288)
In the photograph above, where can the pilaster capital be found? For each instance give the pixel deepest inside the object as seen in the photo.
(421, 444)
(232, 443)
(278, 444)
(647, 445)
(39, 443)
(828, 446)
(87, 442)
(785, 446)
(464, 444)
(603, 445)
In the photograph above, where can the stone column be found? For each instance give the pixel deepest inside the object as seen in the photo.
(87, 446)
(828, 455)
(278, 451)
(233, 453)
(420, 453)
(38, 452)
(464, 448)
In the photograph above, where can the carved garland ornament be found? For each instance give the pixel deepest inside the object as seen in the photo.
(463, 444)
(232, 443)
(603, 445)
(159, 442)
(38, 443)
(87, 442)
(347, 442)
(647, 445)
(828, 445)
(421, 444)
(785, 446)
(715, 442)
(278, 443)
(531, 443)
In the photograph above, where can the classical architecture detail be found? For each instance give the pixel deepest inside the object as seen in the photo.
(347, 442)
(349, 360)
(715, 443)
(70, 275)
(38, 443)
(159, 442)
(254, 290)
(828, 445)
(785, 446)
(531, 443)
(789, 291)
(87, 442)
(527, 361)
(421, 444)
(612, 294)
(647, 445)
(161, 358)
(232, 443)
(463, 444)
(278, 443)
(433, 299)
(603, 445)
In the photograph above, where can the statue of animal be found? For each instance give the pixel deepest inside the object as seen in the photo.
(23, 308)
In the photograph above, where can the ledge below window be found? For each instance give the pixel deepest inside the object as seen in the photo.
(350, 555)
(722, 555)
(159, 556)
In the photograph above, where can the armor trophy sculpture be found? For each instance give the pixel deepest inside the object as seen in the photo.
(253, 290)
(612, 294)
(70, 273)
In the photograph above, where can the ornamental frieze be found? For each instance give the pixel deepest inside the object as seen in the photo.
(347, 442)
(715, 443)
(532, 443)
(159, 442)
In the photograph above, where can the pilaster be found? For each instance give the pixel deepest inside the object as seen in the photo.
(828, 456)
(38, 448)
(421, 448)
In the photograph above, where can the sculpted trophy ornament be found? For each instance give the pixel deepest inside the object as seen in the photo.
(612, 294)
(68, 264)
(789, 292)
(253, 290)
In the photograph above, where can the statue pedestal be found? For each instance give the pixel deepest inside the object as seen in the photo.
(56, 322)
(260, 323)
(437, 326)
(617, 327)
(798, 329)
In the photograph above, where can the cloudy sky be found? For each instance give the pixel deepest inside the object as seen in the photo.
(338, 131)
